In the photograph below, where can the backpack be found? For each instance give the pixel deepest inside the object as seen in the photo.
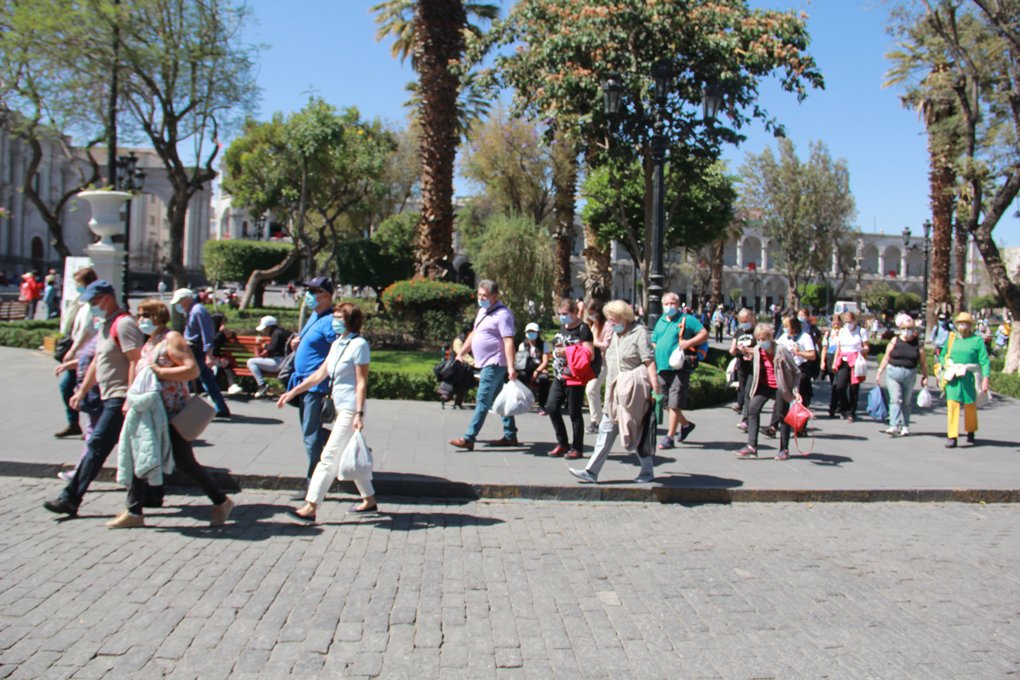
(815, 365)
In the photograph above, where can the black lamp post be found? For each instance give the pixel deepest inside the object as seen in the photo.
(753, 266)
(131, 179)
(926, 246)
(260, 226)
(662, 76)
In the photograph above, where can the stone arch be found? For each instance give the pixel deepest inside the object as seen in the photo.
(869, 260)
(751, 252)
(891, 261)
(730, 253)
(915, 263)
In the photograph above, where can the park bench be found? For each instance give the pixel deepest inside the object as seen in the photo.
(245, 347)
(13, 310)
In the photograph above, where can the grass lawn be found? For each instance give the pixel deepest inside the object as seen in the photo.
(415, 363)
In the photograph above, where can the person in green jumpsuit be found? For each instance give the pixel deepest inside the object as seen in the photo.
(963, 348)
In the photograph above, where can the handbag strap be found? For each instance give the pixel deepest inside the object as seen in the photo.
(332, 376)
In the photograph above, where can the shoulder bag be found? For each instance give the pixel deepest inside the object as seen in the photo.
(327, 412)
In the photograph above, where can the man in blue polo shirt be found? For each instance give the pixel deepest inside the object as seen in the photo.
(312, 346)
(677, 384)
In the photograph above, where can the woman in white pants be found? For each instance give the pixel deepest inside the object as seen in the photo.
(347, 366)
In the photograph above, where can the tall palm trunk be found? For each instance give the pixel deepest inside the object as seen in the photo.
(941, 180)
(564, 187)
(716, 251)
(598, 275)
(438, 43)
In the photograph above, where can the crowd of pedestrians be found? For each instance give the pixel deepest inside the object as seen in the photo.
(135, 379)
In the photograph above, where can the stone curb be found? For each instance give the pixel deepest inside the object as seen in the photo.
(397, 485)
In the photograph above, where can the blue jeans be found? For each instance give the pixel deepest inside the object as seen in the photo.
(490, 383)
(205, 375)
(67, 385)
(900, 383)
(104, 437)
(312, 431)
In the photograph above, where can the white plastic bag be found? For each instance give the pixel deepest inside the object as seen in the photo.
(513, 400)
(924, 398)
(731, 370)
(677, 359)
(860, 366)
(356, 460)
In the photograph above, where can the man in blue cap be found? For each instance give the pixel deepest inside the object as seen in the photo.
(117, 351)
(312, 346)
(199, 333)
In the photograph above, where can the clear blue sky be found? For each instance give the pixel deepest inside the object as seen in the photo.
(328, 48)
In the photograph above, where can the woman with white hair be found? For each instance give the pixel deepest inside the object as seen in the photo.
(902, 358)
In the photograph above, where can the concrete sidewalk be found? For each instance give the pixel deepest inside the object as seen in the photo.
(261, 447)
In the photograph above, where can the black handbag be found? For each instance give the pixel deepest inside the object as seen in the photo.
(62, 347)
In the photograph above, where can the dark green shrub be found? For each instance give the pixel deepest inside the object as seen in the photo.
(27, 334)
(1005, 383)
(432, 309)
(399, 385)
(907, 302)
(709, 388)
(236, 260)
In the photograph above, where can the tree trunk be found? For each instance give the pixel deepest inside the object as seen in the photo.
(941, 183)
(50, 217)
(176, 215)
(564, 187)
(598, 276)
(1013, 351)
(959, 289)
(438, 42)
(717, 250)
(256, 285)
(1006, 289)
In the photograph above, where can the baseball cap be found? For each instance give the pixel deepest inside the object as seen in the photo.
(265, 322)
(532, 327)
(180, 294)
(97, 287)
(320, 282)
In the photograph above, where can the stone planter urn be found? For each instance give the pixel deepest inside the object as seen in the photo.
(106, 220)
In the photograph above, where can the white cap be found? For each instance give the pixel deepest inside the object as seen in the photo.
(265, 322)
(531, 327)
(180, 294)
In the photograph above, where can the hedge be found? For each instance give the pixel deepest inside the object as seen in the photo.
(27, 334)
(235, 260)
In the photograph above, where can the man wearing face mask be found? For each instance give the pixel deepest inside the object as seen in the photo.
(117, 350)
(199, 333)
(77, 325)
(312, 348)
(743, 337)
(963, 355)
(673, 330)
(491, 341)
(940, 333)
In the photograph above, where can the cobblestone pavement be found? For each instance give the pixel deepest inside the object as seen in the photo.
(508, 589)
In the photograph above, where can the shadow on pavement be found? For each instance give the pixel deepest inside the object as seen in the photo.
(254, 420)
(248, 522)
(415, 521)
(824, 459)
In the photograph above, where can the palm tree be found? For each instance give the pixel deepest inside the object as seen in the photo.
(934, 99)
(433, 33)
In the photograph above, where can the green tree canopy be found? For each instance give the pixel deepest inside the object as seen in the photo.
(803, 208)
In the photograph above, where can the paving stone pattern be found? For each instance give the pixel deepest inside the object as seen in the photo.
(508, 589)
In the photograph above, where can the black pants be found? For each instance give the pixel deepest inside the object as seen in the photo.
(184, 461)
(845, 392)
(757, 403)
(743, 384)
(718, 333)
(573, 395)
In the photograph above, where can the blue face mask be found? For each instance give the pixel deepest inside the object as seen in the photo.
(339, 327)
(310, 300)
(619, 328)
(566, 318)
(146, 326)
(484, 303)
(80, 289)
(532, 336)
(98, 313)
(180, 309)
(765, 345)
(746, 326)
(671, 311)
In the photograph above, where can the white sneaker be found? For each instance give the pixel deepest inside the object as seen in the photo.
(645, 478)
(235, 389)
(892, 431)
(261, 391)
(904, 432)
(584, 475)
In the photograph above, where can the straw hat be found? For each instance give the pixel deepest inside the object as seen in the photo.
(964, 317)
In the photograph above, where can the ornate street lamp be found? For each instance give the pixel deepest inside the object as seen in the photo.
(129, 178)
(662, 76)
(926, 246)
(260, 226)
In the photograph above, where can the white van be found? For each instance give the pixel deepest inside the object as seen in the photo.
(845, 306)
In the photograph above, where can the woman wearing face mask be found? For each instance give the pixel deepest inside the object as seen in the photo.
(630, 378)
(573, 331)
(902, 358)
(174, 364)
(602, 333)
(963, 354)
(743, 337)
(853, 341)
(775, 376)
(77, 325)
(535, 373)
(347, 367)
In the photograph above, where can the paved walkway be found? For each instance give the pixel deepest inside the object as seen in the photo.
(508, 589)
(262, 447)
